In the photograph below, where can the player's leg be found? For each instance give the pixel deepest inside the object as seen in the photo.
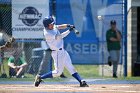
(45, 61)
(115, 66)
(114, 58)
(58, 65)
(72, 70)
(20, 71)
(116, 63)
(12, 72)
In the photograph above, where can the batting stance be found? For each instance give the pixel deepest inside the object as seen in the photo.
(60, 56)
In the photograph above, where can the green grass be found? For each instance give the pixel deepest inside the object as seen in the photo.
(86, 71)
(129, 78)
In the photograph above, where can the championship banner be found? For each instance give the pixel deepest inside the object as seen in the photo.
(92, 19)
(27, 16)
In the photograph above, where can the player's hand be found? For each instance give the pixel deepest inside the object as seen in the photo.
(18, 67)
(14, 67)
(71, 27)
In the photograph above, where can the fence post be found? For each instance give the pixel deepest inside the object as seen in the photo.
(125, 38)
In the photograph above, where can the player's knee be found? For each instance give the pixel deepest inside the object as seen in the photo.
(56, 73)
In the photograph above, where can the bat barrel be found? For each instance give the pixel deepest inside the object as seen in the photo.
(76, 31)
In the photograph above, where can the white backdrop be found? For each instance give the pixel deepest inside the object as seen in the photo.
(27, 16)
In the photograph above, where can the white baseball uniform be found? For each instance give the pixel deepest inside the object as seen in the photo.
(60, 56)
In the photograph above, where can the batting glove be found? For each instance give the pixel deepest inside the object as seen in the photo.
(71, 27)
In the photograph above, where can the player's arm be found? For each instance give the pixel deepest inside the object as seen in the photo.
(62, 26)
(12, 65)
(118, 38)
(64, 34)
(109, 37)
(118, 35)
(11, 62)
(24, 63)
(57, 36)
(113, 39)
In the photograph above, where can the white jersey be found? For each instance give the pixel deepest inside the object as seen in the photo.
(60, 56)
(44, 45)
(54, 39)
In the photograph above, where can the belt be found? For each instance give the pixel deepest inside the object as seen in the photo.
(56, 50)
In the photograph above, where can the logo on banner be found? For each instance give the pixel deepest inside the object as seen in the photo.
(30, 16)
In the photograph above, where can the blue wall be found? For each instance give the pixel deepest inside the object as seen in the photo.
(90, 46)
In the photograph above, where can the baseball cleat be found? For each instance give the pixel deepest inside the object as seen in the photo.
(83, 84)
(115, 76)
(63, 76)
(109, 62)
(38, 80)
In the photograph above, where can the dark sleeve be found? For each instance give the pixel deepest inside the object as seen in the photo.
(107, 36)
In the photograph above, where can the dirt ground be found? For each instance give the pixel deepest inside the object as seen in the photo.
(70, 88)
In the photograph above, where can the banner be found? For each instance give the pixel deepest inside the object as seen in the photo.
(27, 18)
(92, 19)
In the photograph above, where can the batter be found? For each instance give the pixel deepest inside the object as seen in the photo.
(60, 56)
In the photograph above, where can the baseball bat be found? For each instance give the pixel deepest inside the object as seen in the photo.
(75, 31)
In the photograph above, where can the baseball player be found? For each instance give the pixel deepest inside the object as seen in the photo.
(46, 59)
(17, 64)
(60, 56)
(113, 38)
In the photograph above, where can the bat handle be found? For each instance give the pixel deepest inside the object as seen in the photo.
(76, 31)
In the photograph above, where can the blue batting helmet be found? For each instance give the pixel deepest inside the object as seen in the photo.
(47, 21)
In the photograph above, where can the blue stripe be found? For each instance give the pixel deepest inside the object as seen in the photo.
(57, 63)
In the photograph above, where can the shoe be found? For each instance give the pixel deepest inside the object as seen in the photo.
(115, 76)
(63, 76)
(83, 84)
(17, 76)
(3, 75)
(109, 62)
(38, 80)
(23, 76)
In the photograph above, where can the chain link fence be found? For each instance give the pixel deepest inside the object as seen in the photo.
(31, 48)
(27, 50)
